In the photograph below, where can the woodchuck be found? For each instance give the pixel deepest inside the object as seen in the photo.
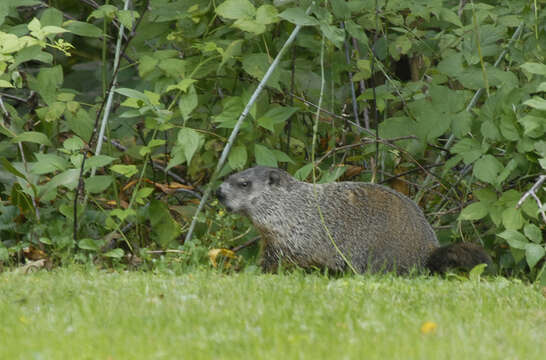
(372, 227)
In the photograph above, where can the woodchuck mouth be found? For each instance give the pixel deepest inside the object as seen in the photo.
(222, 198)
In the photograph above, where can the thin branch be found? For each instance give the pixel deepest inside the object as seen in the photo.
(353, 93)
(532, 192)
(245, 245)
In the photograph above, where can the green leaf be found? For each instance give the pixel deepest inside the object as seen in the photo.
(333, 33)
(297, 16)
(22, 200)
(73, 143)
(249, 25)
(32, 53)
(177, 156)
(48, 163)
(474, 211)
(508, 129)
(275, 115)
(125, 170)
(88, 244)
(534, 68)
(533, 254)
(264, 156)
(508, 169)
(303, 172)
(114, 254)
(514, 238)
(82, 28)
(486, 195)
(127, 18)
(146, 65)
(476, 272)
(256, 65)
(98, 183)
(10, 168)
(164, 229)
(469, 149)
(34, 25)
(33, 137)
(236, 9)
(487, 169)
(533, 233)
(461, 123)
(47, 82)
(450, 16)
(5, 84)
(52, 30)
(512, 218)
(536, 102)
(356, 31)
(104, 11)
(191, 141)
(332, 175)
(490, 130)
(51, 16)
(68, 179)
(267, 14)
(135, 94)
(340, 9)
(282, 157)
(45, 240)
(81, 123)
(98, 161)
(183, 85)
(533, 126)
(142, 194)
(237, 157)
(187, 103)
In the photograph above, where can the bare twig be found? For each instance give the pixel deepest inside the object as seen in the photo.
(363, 141)
(532, 192)
(362, 89)
(353, 93)
(245, 245)
(168, 251)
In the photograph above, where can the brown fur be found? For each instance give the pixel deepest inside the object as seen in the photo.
(374, 227)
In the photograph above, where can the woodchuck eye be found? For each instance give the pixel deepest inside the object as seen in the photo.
(244, 184)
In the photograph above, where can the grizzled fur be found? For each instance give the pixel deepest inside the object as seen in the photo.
(375, 227)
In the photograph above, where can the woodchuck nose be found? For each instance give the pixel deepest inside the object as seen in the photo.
(372, 227)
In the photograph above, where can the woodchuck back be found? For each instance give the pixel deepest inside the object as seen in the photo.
(372, 227)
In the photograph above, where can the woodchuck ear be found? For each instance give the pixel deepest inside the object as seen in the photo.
(273, 177)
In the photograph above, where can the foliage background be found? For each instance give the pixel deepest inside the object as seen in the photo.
(454, 89)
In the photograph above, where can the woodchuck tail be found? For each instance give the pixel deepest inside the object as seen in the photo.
(462, 256)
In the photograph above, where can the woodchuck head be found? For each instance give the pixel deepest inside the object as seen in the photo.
(240, 192)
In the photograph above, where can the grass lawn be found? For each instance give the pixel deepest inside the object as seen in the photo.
(78, 314)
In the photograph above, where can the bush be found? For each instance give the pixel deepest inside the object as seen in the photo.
(123, 112)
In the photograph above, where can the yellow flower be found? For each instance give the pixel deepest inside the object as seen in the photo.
(428, 327)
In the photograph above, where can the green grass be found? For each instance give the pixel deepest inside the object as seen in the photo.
(77, 314)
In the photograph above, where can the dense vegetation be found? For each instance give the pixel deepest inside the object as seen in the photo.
(115, 113)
